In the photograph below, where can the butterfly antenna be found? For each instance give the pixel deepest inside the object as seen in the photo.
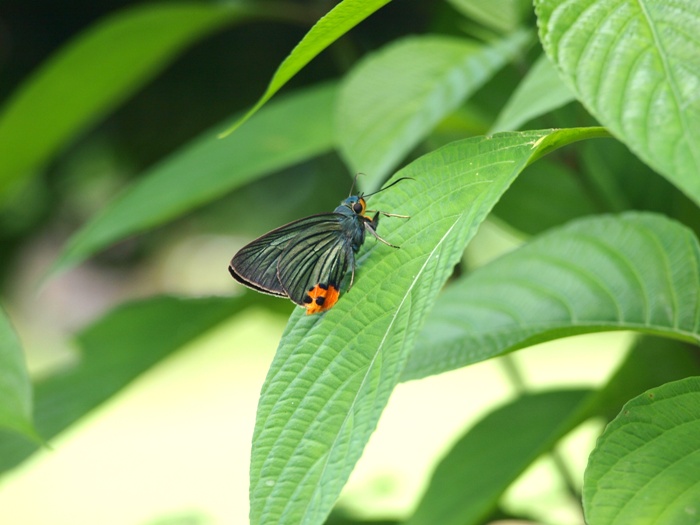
(354, 182)
(389, 186)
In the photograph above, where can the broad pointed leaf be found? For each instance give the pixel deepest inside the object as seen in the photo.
(645, 467)
(343, 17)
(333, 373)
(209, 168)
(15, 388)
(93, 74)
(395, 97)
(635, 64)
(635, 271)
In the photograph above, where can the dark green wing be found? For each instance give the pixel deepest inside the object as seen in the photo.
(256, 264)
(319, 255)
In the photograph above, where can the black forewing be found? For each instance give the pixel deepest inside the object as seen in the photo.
(318, 256)
(256, 264)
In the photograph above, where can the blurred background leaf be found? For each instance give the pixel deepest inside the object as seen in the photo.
(115, 350)
(208, 168)
(94, 73)
(15, 388)
(386, 108)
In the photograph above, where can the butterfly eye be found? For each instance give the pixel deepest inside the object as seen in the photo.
(358, 207)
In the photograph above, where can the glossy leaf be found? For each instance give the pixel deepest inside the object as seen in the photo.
(634, 271)
(470, 480)
(93, 74)
(635, 64)
(645, 466)
(341, 19)
(540, 92)
(395, 97)
(209, 168)
(116, 349)
(333, 373)
(15, 388)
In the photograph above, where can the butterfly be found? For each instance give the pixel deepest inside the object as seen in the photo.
(306, 260)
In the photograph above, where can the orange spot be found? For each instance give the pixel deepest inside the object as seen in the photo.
(321, 298)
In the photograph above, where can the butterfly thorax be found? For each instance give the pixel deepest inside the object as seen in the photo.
(354, 219)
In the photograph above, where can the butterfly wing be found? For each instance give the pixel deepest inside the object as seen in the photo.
(256, 264)
(313, 266)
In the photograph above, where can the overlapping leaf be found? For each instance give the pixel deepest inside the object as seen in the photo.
(635, 64)
(210, 167)
(94, 73)
(635, 271)
(645, 466)
(395, 97)
(332, 374)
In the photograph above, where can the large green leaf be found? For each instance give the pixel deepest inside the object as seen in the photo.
(540, 92)
(343, 17)
(645, 468)
(635, 64)
(634, 271)
(116, 349)
(333, 373)
(396, 96)
(209, 168)
(93, 74)
(469, 481)
(15, 388)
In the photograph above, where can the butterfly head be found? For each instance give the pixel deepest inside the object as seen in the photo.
(356, 203)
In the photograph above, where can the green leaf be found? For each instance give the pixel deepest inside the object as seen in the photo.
(635, 271)
(333, 373)
(500, 15)
(470, 480)
(343, 17)
(540, 92)
(116, 349)
(92, 75)
(546, 195)
(395, 97)
(635, 64)
(208, 168)
(15, 388)
(645, 467)
(651, 362)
